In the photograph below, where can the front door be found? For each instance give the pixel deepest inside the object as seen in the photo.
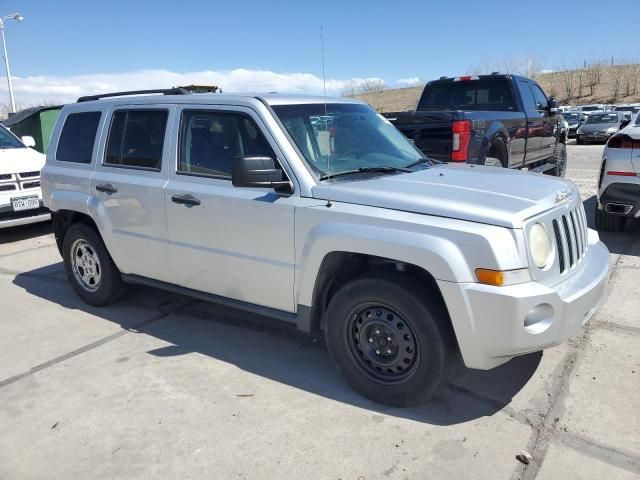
(128, 183)
(549, 123)
(228, 241)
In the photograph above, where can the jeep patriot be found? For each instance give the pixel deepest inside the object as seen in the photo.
(321, 213)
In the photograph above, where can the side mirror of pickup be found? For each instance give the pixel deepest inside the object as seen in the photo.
(624, 123)
(554, 105)
(258, 171)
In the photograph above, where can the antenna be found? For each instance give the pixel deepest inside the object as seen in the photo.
(324, 87)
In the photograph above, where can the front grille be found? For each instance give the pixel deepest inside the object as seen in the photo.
(5, 176)
(8, 188)
(570, 231)
(35, 184)
(29, 174)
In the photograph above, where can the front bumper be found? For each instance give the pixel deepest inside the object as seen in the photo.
(9, 218)
(594, 137)
(495, 324)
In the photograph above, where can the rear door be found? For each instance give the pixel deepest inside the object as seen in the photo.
(549, 122)
(535, 123)
(128, 183)
(234, 242)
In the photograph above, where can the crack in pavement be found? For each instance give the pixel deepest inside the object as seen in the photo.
(613, 456)
(544, 431)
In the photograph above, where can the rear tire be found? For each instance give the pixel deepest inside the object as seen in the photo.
(89, 267)
(559, 161)
(608, 222)
(390, 339)
(497, 155)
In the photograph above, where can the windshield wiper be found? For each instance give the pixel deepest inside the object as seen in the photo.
(428, 160)
(365, 170)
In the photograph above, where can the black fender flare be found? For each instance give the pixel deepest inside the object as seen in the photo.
(496, 132)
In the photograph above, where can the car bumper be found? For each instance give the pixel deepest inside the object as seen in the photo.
(9, 218)
(625, 194)
(595, 137)
(495, 324)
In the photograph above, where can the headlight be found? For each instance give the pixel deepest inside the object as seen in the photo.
(612, 130)
(540, 246)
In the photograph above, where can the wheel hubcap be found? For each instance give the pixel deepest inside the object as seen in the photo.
(85, 265)
(382, 343)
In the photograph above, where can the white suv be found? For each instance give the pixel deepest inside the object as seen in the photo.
(323, 214)
(20, 195)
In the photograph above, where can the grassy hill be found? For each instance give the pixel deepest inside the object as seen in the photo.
(595, 84)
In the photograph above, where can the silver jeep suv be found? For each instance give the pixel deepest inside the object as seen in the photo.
(322, 214)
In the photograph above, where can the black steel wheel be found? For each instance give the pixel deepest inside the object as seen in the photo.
(382, 342)
(390, 337)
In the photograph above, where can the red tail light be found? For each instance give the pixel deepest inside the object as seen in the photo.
(621, 174)
(623, 141)
(461, 137)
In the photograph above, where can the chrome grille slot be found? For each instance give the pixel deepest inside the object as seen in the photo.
(559, 246)
(29, 174)
(576, 235)
(34, 184)
(5, 176)
(567, 236)
(8, 187)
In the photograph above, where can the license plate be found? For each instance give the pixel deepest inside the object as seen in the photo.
(25, 203)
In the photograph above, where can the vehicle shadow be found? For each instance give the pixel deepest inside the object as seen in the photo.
(276, 351)
(618, 243)
(24, 232)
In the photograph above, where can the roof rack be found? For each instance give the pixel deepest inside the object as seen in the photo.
(164, 91)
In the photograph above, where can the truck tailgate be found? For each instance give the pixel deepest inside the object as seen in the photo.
(430, 131)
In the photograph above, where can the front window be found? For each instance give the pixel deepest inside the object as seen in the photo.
(343, 137)
(602, 118)
(571, 117)
(591, 109)
(8, 140)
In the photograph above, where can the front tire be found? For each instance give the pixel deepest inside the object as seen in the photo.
(608, 222)
(89, 267)
(390, 339)
(559, 161)
(579, 140)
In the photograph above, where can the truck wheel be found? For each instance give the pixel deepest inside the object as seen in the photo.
(89, 267)
(497, 155)
(389, 339)
(579, 140)
(559, 161)
(608, 222)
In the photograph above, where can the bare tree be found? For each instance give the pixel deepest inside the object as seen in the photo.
(616, 81)
(358, 87)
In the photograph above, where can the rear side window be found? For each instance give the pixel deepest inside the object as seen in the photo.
(210, 140)
(484, 94)
(136, 138)
(78, 137)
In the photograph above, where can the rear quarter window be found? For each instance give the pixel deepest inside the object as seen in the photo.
(78, 137)
(483, 94)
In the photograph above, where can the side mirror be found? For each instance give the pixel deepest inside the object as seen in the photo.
(254, 171)
(624, 123)
(28, 141)
(554, 105)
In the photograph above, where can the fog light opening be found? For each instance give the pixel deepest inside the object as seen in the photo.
(539, 318)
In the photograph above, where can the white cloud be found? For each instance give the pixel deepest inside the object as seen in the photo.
(35, 90)
(408, 82)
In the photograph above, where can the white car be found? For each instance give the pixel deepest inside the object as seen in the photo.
(20, 194)
(619, 183)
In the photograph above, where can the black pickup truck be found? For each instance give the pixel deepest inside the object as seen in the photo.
(499, 120)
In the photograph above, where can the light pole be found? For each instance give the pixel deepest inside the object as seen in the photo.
(17, 17)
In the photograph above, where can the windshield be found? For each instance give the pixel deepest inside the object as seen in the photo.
(7, 140)
(347, 137)
(571, 117)
(602, 118)
(591, 109)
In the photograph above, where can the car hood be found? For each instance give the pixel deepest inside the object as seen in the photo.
(597, 127)
(481, 194)
(18, 160)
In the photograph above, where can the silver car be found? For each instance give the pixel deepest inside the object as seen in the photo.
(599, 126)
(322, 214)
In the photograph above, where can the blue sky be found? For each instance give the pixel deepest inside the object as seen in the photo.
(389, 40)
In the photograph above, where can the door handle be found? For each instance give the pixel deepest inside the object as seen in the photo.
(106, 188)
(187, 200)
